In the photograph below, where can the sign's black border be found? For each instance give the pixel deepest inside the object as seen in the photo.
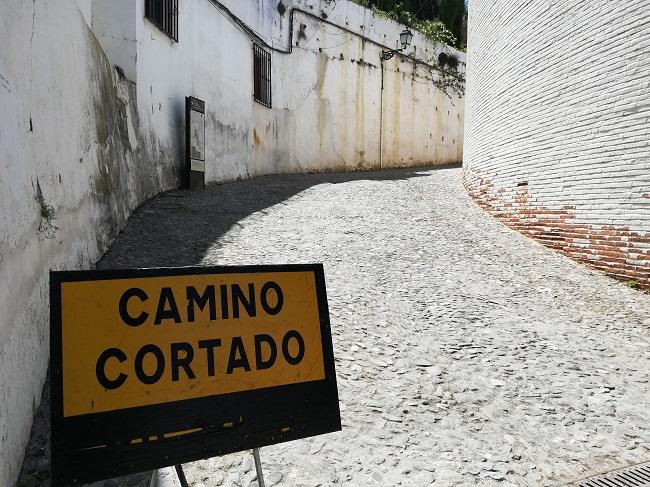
(195, 179)
(290, 412)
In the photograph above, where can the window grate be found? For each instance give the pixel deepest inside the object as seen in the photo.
(163, 13)
(262, 76)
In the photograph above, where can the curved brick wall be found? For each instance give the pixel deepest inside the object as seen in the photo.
(557, 141)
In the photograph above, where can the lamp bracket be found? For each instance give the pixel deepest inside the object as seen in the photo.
(386, 55)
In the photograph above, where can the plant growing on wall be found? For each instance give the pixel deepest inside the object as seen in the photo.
(439, 20)
(46, 227)
(422, 15)
(451, 13)
(450, 81)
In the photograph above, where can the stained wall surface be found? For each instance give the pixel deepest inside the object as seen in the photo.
(92, 99)
(327, 98)
(558, 105)
(74, 163)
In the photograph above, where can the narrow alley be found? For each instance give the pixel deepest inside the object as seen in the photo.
(466, 353)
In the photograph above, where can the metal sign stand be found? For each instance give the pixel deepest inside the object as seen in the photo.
(181, 476)
(258, 469)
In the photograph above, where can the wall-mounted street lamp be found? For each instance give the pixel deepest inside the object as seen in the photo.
(405, 38)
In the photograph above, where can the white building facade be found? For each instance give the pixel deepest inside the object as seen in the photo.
(92, 94)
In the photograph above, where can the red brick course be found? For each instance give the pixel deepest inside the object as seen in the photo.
(615, 250)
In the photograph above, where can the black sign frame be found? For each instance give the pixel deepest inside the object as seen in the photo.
(195, 178)
(310, 408)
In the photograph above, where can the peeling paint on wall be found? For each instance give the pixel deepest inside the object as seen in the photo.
(73, 171)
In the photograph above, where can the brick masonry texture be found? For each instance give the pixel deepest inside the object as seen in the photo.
(558, 126)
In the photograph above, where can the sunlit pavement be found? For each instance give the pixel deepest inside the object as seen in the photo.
(466, 354)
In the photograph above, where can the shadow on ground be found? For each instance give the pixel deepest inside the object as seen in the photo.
(176, 229)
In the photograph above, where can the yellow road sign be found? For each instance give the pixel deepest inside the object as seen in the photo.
(129, 347)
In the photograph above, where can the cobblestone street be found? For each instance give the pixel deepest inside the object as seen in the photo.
(466, 354)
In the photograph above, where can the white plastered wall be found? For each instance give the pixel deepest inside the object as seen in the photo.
(92, 97)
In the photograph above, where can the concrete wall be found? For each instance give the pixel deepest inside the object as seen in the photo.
(327, 96)
(82, 142)
(558, 104)
(86, 9)
(114, 26)
(74, 163)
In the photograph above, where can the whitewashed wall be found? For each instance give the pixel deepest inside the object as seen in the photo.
(69, 132)
(114, 25)
(86, 9)
(558, 105)
(83, 143)
(326, 105)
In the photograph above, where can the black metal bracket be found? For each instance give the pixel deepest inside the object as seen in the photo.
(386, 55)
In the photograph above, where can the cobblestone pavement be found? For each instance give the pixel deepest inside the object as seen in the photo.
(466, 354)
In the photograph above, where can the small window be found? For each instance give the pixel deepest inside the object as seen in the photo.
(262, 76)
(163, 13)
